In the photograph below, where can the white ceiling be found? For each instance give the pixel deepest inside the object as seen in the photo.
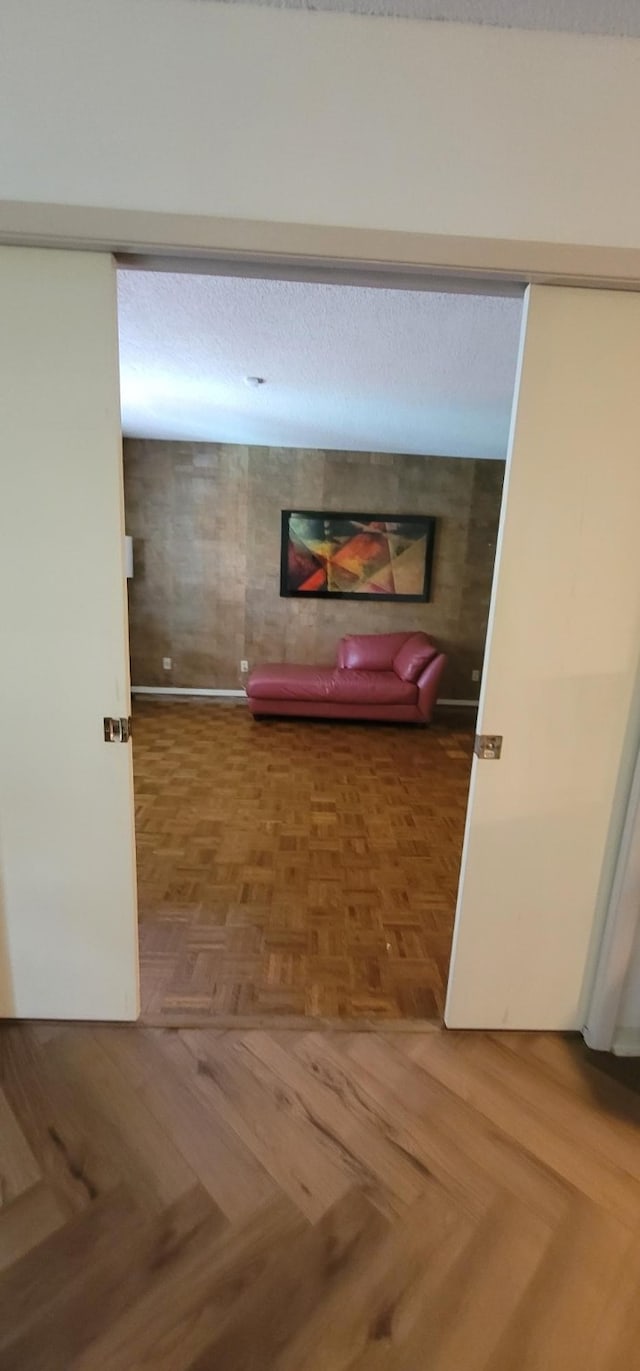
(619, 18)
(344, 367)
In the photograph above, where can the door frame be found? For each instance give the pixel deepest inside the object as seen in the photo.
(360, 255)
(348, 256)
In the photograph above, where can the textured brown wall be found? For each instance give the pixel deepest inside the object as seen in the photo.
(205, 519)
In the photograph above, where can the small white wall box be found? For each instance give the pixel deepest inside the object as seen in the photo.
(128, 556)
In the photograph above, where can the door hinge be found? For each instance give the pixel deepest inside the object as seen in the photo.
(488, 746)
(117, 730)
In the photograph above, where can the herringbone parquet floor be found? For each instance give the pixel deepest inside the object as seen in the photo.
(194, 1200)
(294, 867)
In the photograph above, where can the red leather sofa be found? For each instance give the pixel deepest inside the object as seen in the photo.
(391, 676)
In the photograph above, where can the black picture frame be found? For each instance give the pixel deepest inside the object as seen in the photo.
(419, 525)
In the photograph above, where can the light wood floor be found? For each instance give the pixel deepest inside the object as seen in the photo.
(295, 868)
(270, 1201)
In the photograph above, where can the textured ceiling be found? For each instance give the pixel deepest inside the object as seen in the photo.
(344, 367)
(615, 17)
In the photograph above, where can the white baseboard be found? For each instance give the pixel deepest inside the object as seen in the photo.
(187, 690)
(626, 1043)
(241, 694)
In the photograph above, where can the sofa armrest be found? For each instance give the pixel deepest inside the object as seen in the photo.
(428, 683)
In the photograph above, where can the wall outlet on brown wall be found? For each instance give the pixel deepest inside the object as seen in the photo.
(167, 664)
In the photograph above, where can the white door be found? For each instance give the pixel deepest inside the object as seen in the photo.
(68, 931)
(544, 822)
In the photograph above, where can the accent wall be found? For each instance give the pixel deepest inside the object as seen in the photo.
(205, 522)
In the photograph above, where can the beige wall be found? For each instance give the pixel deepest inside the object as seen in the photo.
(346, 120)
(205, 520)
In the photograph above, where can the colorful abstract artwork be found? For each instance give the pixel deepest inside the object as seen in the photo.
(356, 556)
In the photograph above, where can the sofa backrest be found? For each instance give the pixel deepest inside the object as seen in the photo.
(370, 651)
(379, 652)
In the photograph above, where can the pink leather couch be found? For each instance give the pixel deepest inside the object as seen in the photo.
(378, 676)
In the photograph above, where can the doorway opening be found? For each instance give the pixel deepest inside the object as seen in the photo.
(301, 867)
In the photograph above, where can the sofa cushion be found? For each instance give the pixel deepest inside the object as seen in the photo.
(283, 681)
(416, 653)
(370, 651)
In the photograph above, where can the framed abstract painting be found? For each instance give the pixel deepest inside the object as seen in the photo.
(356, 556)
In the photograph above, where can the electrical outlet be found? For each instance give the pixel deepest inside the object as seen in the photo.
(244, 665)
(475, 675)
(167, 664)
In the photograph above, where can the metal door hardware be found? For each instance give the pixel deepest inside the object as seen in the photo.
(117, 730)
(488, 746)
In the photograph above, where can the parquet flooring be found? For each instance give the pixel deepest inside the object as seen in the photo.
(295, 868)
(197, 1200)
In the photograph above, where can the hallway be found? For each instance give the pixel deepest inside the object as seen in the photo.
(273, 1201)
